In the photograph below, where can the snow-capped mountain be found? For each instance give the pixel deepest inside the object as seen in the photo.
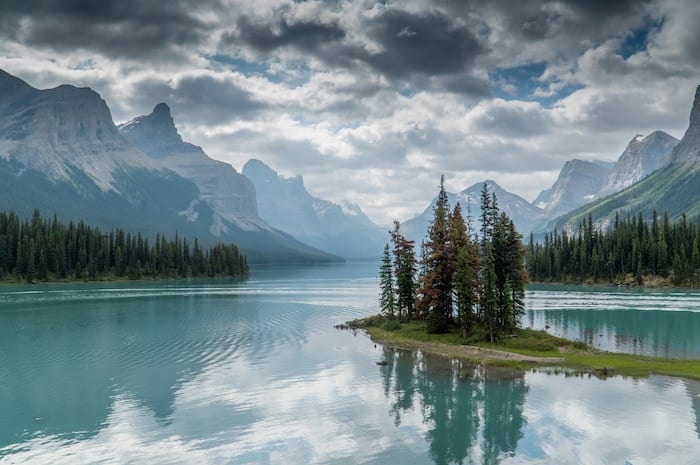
(522, 212)
(642, 156)
(285, 203)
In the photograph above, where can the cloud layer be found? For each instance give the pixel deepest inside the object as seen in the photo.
(372, 101)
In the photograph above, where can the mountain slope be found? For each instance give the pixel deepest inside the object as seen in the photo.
(286, 204)
(522, 212)
(230, 195)
(61, 153)
(674, 188)
(577, 183)
(642, 156)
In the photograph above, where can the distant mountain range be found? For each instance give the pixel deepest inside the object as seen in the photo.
(673, 188)
(287, 205)
(61, 153)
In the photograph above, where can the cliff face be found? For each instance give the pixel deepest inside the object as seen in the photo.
(578, 183)
(61, 153)
(688, 149)
(62, 130)
(230, 195)
(642, 156)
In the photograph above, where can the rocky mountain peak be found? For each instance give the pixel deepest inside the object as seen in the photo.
(688, 149)
(642, 156)
(258, 169)
(162, 110)
(155, 133)
(695, 111)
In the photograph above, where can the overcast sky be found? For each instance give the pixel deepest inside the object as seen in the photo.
(372, 101)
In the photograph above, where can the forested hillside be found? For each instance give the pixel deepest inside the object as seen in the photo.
(42, 250)
(631, 251)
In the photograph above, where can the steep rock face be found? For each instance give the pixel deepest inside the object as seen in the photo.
(230, 195)
(578, 183)
(522, 212)
(60, 130)
(642, 156)
(287, 205)
(687, 151)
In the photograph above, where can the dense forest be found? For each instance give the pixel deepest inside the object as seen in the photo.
(473, 281)
(631, 250)
(42, 250)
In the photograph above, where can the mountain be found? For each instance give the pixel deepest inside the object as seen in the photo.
(578, 183)
(286, 204)
(673, 188)
(642, 156)
(229, 194)
(522, 212)
(60, 152)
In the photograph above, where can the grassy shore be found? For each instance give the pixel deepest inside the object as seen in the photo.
(526, 348)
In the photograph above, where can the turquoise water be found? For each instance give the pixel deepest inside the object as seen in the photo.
(656, 322)
(252, 372)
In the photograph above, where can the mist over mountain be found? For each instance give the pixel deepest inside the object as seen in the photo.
(578, 183)
(342, 230)
(60, 152)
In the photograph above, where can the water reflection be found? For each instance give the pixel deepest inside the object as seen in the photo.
(474, 415)
(658, 323)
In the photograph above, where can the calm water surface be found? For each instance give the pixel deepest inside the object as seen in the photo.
(252, 372)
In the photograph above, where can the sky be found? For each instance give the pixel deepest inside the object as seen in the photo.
(371, 101)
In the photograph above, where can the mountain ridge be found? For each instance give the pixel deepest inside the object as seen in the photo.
(286, 204)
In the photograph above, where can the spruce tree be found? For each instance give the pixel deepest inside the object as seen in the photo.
(438, 265)
(386, 284)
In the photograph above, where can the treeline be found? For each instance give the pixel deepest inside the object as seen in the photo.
(631, 250)
(43, 250)
(463, 278)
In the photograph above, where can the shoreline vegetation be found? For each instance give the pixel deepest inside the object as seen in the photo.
(523, 349)
(39, 250)
(630, 252)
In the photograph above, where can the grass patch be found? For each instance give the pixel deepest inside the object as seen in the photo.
(573, 355)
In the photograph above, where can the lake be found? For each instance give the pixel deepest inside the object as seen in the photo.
(253, 372)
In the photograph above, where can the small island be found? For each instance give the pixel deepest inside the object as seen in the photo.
(464, 297)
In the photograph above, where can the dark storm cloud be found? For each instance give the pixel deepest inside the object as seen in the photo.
(305, 35)
(124, 29)
(412, 46)
(428, 44)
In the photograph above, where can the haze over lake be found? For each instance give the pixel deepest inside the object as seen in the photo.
(236, 371)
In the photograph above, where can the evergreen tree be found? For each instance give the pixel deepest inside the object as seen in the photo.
(404, 271)
(438, 266)
(386, 283)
